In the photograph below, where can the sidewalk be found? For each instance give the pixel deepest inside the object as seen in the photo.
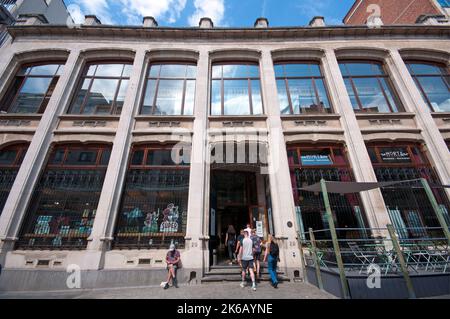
(206, 291)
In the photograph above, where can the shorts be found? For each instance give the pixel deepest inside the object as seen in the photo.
(257, 256)
(247, 264)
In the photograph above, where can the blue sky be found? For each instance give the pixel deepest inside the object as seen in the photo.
(225, 13)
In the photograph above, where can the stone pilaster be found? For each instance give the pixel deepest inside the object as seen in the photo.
(280, 180)
(29, 172)
(108, 206)
(196, 218)
(373, 202)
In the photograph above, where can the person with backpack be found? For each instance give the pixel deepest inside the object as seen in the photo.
(257, 249)
(272, 256)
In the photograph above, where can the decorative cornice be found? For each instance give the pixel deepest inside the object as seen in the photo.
(295, 33)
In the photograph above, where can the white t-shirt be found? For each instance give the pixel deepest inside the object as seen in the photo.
(247, 249)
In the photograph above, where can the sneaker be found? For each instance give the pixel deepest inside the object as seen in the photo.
(242, 285)
(275, 285)
(254, 287)
(166, 286)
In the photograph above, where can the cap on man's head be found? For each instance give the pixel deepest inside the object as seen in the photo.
(172, 247)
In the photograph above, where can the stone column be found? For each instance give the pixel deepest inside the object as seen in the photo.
(29, 172)
(103, 228)
(373, 201)
(196, 227)
(280, 180)
(413, 99)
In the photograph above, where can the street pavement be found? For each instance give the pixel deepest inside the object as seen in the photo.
(296, 290)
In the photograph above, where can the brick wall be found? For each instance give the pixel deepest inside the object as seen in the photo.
(393, 11)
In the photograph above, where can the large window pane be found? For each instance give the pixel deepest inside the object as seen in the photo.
(170, 96)
(437, 93)
(149, 97)
(235, 71)
(216, 98)
(303, 96)
(64, 202)
(283, 97)
(31, 95)
(351, 94)
(109, 70)
(370, 95)
(323, 97)
(48, 69)
(388, 92)
(101, 96)
(173, 87)
(121, 96)
(361, 69)
(189, 98)
(236, 97)
(419, 68)
(173, 71)
(105, 86)
(256, 98)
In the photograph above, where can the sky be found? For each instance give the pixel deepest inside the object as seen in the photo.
(224, 13)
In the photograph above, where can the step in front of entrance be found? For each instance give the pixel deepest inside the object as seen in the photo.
(233, 273)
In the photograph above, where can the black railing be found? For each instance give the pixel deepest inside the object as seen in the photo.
(7, 177)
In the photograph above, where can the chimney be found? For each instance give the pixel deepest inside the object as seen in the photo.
(317, 22)
(206, 23)
(31, 19)
(91, 20)
(261, 23)
(149, 22)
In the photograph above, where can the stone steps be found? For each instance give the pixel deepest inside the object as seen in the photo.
(233, 274)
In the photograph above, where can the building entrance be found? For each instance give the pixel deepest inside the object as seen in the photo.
(238, 197)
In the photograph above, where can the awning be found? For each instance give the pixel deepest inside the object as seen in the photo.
(356, 187)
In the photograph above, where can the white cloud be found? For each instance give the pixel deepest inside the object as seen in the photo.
(214, 9)
(76, 13)
(166, 10)
(100, 8)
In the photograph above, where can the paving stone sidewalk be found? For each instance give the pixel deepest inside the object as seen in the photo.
(206, 291)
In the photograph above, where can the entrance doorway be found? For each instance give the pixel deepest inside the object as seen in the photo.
(239, 196)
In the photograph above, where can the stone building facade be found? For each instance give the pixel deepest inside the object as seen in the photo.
(87, 177)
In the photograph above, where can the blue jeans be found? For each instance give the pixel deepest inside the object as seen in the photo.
(272, 265)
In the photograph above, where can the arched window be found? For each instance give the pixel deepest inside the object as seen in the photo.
(11, 158)
(153, 211)
(301, 88)
(369, 87)
(170, 89)
(102, 89)
(32, 88)
(63, 206)
(433, 81)
(236, 89)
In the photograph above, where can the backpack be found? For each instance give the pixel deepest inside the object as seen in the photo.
(274, 250)
(257, 245)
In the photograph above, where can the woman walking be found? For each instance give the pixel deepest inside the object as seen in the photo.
(271, 256)
(230, 240)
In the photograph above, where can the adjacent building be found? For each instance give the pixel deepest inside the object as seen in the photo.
(398, 11)
(116, 141)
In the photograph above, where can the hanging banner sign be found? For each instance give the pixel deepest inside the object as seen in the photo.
(317, 159)
(394, 155)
